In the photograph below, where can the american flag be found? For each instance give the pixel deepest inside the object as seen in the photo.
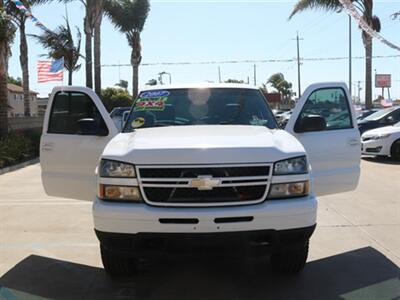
(50, 70)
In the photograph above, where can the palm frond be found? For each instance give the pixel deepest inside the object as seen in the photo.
(7, 28)
(301, 5)
(61, 44)
(128, 15)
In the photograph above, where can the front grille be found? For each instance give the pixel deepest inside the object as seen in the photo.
(194, 172)
(173, 186)
(189, 195)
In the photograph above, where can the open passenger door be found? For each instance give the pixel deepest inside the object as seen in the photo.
(324, 122)
(76, 129)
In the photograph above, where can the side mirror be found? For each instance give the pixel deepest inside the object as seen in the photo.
(310, 123)
(89, 126)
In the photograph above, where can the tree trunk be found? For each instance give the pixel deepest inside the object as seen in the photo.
(3, 89)
(88, 49)
(23, 58)
(136, 58)
(97, 47)
(135, 80)
(368, 71)
(97, 60)
(70, 72)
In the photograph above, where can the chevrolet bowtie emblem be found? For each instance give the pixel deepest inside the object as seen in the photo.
(204, 183)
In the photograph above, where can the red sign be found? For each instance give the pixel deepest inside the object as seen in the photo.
(274, 97)
(383, 80)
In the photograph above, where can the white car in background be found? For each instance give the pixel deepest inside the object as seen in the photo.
(384, 141)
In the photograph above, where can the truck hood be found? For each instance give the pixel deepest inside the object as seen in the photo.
(203, 144)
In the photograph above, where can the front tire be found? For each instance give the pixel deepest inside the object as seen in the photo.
(116, 264)
(395, 150)
(290, 259)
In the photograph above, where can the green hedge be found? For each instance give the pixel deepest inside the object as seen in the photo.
(19, 147)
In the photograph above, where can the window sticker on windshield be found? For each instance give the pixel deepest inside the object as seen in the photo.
(151, 100)
(153, 94)
(150, 104)
(138, 122)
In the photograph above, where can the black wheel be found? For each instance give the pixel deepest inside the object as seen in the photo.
(395, 150)
(290, 259)
(117, 265)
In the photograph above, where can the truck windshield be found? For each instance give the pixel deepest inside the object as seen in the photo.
(197, 106)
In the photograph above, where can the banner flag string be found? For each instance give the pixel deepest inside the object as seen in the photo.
(29, 15)
(350, 9)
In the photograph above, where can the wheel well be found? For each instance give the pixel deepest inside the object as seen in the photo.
(391, 147)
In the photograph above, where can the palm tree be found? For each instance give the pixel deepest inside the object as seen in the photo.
(92, 29)
(19, 20)
(129, 16)
(97, 9)
(7, 33)
(122, 84)
(365, 8)
(61, 44)
(278, 82)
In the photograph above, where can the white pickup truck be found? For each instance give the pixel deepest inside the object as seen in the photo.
(201, 164)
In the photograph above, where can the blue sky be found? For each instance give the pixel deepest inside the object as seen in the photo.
(196, 31)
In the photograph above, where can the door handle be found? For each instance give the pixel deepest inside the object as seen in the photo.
(353, 141)
(47, 147)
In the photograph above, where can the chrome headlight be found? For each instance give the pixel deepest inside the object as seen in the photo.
(119, 193)
(111, 168)
(292, 166)
(289, 190)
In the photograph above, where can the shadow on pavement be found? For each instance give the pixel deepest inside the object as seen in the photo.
(381, 160)
(360, 274)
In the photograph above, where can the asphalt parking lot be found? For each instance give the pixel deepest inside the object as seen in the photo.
(48, 250)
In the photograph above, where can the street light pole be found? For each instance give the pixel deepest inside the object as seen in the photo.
(164, 73)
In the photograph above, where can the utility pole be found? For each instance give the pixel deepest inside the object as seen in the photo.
(298, 39)
(350, 60)
(255, 75)
(219, 74)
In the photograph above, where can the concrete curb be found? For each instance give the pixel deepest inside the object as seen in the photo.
(19, 166)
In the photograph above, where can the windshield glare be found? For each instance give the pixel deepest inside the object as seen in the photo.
(380, 113)
(198, 106)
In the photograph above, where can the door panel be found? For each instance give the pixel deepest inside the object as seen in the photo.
(68, 158)
(334, 152)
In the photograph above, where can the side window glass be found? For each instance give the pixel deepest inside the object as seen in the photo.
(70, 107)
(332, 105)
(396, 116)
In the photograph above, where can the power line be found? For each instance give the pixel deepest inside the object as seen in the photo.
(250, 61)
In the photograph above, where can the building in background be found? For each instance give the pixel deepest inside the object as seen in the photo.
(42, 105)
(16, 101)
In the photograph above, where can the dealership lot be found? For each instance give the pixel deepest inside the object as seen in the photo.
(48, 250)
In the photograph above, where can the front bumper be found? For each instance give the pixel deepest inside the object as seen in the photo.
(229, 243)
(374, 147)
(132, 218)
